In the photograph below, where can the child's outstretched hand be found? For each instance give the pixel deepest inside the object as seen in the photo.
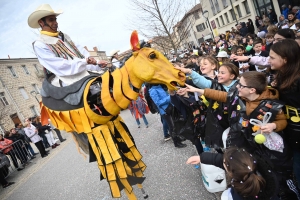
(190, 88)
(193, 160)
(268, 128)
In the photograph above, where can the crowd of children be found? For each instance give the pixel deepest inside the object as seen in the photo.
(242, 79)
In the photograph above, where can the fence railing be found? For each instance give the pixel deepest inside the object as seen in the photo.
(18, 156)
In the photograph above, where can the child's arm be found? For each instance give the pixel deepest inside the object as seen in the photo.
(209, 158)
(197, 79)
(215, 95)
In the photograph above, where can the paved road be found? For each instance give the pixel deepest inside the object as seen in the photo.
(66, 175)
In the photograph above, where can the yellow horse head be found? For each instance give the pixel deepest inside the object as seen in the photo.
(151, 66)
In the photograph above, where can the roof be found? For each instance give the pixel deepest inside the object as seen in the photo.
(193, 10)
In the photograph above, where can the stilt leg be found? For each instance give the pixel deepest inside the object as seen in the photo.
(131, 196)
(143, 191)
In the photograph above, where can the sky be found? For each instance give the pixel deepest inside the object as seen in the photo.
(100, 23)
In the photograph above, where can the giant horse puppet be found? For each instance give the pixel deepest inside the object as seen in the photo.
(91, 107)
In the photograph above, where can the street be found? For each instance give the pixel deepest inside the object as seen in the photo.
(65, 174)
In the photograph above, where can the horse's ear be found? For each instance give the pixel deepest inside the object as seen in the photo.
(134, 41)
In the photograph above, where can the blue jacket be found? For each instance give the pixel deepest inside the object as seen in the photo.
(298, 14)
(160, 97)
(285, 13)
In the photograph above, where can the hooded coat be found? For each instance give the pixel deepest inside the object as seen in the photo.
(244, 29)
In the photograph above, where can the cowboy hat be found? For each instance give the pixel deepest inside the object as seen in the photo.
(113, 52)
(42, 11)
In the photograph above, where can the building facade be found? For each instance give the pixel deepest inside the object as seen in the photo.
(20, 83)
(227, 13)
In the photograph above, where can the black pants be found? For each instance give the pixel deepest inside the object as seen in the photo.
(169, 120)
(58, 134)
(41, 148)
(2, 176)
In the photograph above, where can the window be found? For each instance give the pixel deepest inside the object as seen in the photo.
(34, 111)
(36, 67)
(232, 14)
(238, 11)
(12, 71)
(246, 6)
(24, 93)
(196, 15)
(217, 6)
(227, 18)
(224, 3)
(3, 99)
(212, 7)
(2, 130)
(200, 27)
(36, 88)
(25, 69)
(218, 22)
(222, 20)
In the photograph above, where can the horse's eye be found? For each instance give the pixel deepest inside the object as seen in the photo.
(152, 55)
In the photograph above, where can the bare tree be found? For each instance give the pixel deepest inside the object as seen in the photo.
(158, 19)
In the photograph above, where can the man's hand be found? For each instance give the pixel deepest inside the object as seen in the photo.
(239, 58)
(102, 63)
(91, 61)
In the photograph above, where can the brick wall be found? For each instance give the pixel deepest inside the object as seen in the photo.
(11, 85)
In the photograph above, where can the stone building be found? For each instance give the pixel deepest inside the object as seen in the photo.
(20, 80)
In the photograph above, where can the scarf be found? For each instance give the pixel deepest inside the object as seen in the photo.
(50, 33)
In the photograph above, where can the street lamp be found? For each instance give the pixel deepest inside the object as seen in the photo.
(205, 14)
(33, 93)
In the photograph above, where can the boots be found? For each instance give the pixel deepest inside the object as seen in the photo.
(177, 142)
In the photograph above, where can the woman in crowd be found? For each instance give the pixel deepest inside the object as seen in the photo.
(284, 58)
(138, 109)
(7, 148)
(45, 130)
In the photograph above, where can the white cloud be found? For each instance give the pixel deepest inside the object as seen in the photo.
(90, 23)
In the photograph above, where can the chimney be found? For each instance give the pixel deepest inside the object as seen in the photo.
(95, 49)
(8, 57)
(86, 48)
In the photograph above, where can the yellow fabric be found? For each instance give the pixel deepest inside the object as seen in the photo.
(50, 33)
(99, 119)
(126, 85)
(119, 97)
(115, 168)
(107, 101)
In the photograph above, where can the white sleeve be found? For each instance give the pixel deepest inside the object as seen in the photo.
(57, 65)
(86, 54)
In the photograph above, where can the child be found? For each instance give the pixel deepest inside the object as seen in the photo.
(217, 111)
(269, 41)
(284, 58)
(250, 178)
(243, 66)
(252, 100)
(257, 47)
(222, 57)
(138, 109)
(249, 46)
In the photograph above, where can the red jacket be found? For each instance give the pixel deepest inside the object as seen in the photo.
(5, 143)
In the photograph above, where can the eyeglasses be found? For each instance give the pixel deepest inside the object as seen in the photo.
(243, 86)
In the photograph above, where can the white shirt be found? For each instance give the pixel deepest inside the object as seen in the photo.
(60, 66)
(32, 134)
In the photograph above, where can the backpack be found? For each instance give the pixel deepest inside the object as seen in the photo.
(152, 106)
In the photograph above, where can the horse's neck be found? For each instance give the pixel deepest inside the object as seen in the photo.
(125, 89)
